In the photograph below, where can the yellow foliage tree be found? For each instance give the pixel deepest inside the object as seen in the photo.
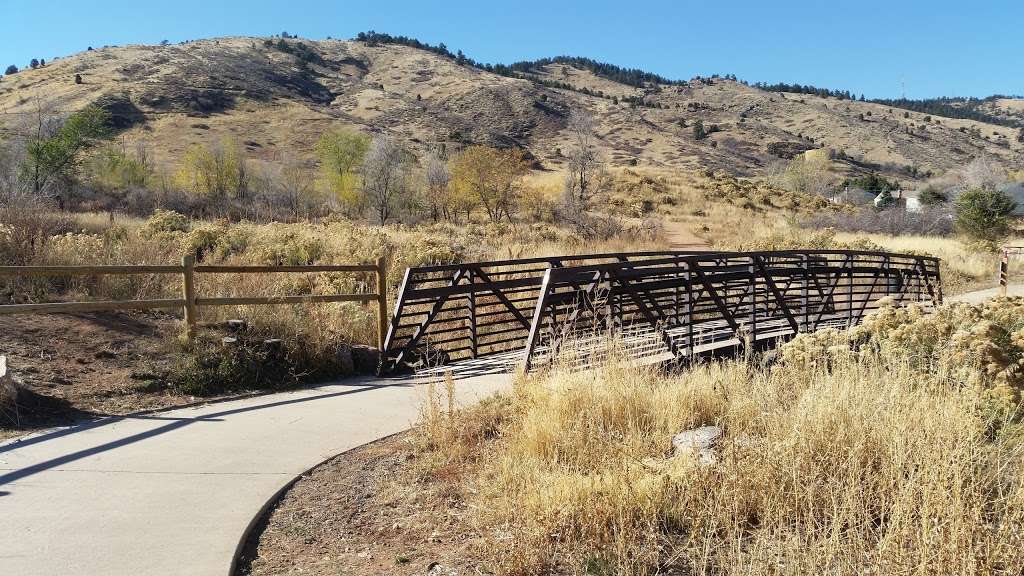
(217, 172)
(341, 153)
(490, 178)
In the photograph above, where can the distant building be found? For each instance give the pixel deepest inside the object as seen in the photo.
(908, 200)
(854, 196)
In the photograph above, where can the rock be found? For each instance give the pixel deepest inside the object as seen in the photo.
(435, 569)
(229, 342)
(274, 347)
(365, 359)
(345, 361)
(236, 326)
(8, 393)
(700, 441)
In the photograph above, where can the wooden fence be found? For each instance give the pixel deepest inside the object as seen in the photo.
(190, 302)
(659, 305)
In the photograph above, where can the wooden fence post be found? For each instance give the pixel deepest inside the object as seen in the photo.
(188, 289)
(1004, 271)
(382, 303)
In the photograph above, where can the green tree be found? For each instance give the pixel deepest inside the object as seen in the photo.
(698, 130)
(12, 69)
(931, 196)
(341, 154)
(115, 169)
(984, 215)
(51, 157)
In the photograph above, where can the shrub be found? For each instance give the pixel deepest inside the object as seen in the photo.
(984, 215)
(931, 196)
(167, 221)
(26, 225)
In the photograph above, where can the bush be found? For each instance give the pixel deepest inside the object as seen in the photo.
(26, 225)
(167, 221)
(984, 215)
(931, 196)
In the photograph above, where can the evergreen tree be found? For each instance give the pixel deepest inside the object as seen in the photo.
(984, 215)
(12, 69)
(698, 130)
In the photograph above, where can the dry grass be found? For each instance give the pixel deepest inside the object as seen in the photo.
(893, 448)
(965, 267)
(166, 237)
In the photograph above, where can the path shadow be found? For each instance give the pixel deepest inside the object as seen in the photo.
(34, 411)
(173, 424)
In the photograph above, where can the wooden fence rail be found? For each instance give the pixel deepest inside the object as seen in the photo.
(662, 305)
(190, 302)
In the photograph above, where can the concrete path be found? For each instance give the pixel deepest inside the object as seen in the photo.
(980, 296)
(174, 492)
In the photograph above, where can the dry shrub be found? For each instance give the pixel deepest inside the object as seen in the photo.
(797, 239)
(26, 223)
(892, 448)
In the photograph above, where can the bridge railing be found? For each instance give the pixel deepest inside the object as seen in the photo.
(660, 305)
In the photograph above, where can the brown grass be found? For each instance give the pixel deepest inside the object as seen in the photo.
(893, 448)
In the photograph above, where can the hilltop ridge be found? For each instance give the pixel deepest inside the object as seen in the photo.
(277, 95)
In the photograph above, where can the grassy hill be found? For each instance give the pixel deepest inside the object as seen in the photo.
(277, 96)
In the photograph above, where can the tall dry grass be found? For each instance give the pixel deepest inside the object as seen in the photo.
(967, 266)
(95, 239)
(893, 448)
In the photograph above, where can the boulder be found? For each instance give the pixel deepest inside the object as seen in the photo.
(236, 326)
(345, 361)
(699, 441)
(365, 359)
(8, 393)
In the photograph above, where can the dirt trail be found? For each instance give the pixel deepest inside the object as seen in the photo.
(681, 237)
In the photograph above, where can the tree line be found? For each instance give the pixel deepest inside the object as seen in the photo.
(76, 162)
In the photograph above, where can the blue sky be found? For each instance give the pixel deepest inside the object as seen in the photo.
(933, 48)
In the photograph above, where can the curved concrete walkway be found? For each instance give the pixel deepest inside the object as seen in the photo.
(174, 492)
(979, 296)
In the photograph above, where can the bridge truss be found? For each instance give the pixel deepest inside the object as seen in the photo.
(653, 306)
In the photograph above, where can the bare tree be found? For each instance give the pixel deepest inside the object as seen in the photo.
(438, 180)
(982, 172)
(584, 161)
(811, 174)
(385, 176)
(285, 186)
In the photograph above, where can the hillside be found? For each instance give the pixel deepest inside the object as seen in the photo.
(277, 97)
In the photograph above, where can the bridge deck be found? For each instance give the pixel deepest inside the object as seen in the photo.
(641, 346)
